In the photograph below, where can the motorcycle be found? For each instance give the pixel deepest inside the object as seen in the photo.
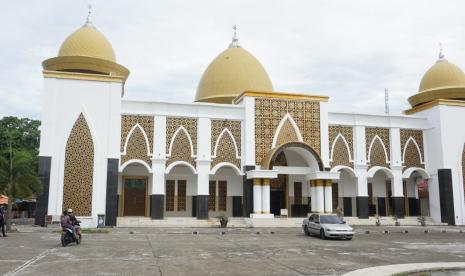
(67, 236)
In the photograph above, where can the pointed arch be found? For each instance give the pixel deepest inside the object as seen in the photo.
(404, 150)
(281, 135)
(181, 148)
(137, 147)
(342, 149)
(226, 150)
(376, 151)
(79, 168)
(182, 131)
(226, 131)
(131, 132)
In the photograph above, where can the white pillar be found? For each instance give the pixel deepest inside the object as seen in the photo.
(158, 176)
(397, 183)
(266, 196)
(257, 196)
(319, 196)
(328, 196)
(203, 177)
(362, 182)
(313, 196)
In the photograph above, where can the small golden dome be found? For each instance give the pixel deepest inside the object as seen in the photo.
(444, 80)
(86, 51)
(87, 41)
(232, 72)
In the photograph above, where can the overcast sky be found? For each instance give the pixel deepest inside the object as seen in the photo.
(348, 50)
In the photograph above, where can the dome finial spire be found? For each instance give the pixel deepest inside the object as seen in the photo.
(235, 40)
(88, 19)
(441, 56)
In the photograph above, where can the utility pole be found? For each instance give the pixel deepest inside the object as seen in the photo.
(386, 101)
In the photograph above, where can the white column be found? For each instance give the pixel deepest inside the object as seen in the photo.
(324, 134)
(158, 176)
(249, 132)
(159, 155)
(360, 161)
(319, 196)
(328, 196)
(313, 196)
(362, 182)
(266, 196)
(257, 196)
(397, 183)
(203, 155)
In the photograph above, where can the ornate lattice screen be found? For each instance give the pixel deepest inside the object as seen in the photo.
(222, 195)
(79, 169)
(181, 195)
(169, 195)
(212, 196)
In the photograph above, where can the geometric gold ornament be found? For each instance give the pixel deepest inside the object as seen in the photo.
(79, 169)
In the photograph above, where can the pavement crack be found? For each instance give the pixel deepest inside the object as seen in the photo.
(153, 254)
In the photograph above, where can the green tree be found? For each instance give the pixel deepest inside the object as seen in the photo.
(18, 179)
(19, 148)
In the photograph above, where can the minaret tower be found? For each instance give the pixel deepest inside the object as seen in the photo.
(81, 125)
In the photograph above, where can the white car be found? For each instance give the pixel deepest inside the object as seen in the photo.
(327, 226)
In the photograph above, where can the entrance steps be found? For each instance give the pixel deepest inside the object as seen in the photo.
(389, 221)
(277, 222)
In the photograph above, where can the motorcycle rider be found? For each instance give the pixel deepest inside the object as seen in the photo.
(66, 223)
(74, 221)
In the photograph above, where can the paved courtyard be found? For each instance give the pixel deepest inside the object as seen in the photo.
(279, 251)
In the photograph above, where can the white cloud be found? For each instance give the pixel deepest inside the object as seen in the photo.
(349, 50)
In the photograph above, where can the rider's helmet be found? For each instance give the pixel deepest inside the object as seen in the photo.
(70, 210)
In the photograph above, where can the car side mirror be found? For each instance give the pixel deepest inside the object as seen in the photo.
(343, 222)
(317, 222)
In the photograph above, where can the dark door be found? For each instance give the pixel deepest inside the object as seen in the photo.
(277, 202)
(134, 196)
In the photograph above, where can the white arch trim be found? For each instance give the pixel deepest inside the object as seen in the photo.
(180, 163)
(410, 139)
(225, 164)
(344, 168)
(147, 144)
(384, 148)
(181, 128)
(408, 172)
(228, 132)
(340, 136)
(134, 161)
(281, 124)
(371, 172)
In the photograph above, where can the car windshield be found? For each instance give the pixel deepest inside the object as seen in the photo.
(330, 220)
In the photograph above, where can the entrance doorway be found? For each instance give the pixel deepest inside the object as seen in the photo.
(135, 196)
(278, 191)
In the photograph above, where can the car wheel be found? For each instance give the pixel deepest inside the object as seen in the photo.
(322, 234)
(307, 233)
(349, 238)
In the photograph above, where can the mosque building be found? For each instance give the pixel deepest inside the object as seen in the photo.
(241, 149)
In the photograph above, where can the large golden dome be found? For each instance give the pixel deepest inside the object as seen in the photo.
(86, 51)
(444, 80)
(231, 73)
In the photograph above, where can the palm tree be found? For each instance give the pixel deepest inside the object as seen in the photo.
(18, 178)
